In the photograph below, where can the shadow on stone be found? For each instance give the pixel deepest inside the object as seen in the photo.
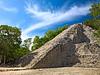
(25, 60)
(62, 55)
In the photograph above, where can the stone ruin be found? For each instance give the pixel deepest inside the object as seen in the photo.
(74, 47)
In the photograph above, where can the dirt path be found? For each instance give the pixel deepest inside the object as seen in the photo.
(2, 69)
(55, 71)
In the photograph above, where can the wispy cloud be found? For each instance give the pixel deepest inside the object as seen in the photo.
(5, 7)
(35, 11)
(48, 18)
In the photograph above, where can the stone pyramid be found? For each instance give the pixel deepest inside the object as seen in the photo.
(74, 47)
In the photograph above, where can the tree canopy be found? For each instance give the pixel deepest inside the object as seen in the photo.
(94, 22)
(95, 10)
(10, 41)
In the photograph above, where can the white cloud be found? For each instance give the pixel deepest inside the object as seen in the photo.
(5, 7)
(37, 13)
(48, 18)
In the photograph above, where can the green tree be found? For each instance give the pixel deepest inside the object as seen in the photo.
(27, 43)
(50, 34)
(95, 21)
(9, 42)
(95, 13)
(95, 10)
(36, 43)
(20, 52)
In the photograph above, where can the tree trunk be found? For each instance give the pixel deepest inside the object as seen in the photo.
(4, 59)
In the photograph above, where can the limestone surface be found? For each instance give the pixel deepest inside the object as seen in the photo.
(75, 46)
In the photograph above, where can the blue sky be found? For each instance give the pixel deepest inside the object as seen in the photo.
(35, 17)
